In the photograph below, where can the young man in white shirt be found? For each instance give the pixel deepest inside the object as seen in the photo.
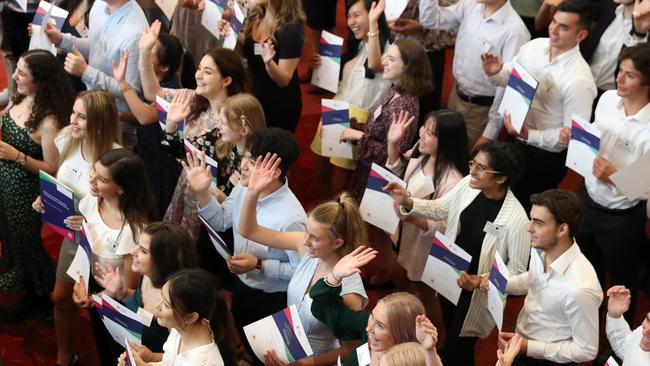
(559, 320)
(613, 235)
(566, 88)
(633, 347)
(263, 273)
(483, 26)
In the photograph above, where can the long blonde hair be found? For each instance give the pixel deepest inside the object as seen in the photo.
(102, 128)
(344, 220)
(405, 354)
(401, 310)
(286, 12)
(243, 111)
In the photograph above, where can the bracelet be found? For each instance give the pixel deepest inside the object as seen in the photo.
(334, 277)
(634, 32)
(373, 34)
(17, 156)
(125, 87)
(328, 283)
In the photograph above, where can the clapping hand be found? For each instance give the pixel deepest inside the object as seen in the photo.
(264, 173)
(398, 126)
(425, 332)
(618, 301)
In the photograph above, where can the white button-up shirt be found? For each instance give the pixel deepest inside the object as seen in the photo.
(560, 313)
(503, 32)
(605, 59)
(624, 139)
(626, 342)
(566, 87)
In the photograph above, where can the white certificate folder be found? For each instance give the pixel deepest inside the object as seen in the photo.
(518, 96)
(442, 270)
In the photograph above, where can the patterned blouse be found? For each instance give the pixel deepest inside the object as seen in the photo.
(431, 39)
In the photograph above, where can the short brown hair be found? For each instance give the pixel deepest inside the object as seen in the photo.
(640, 57)
(564, 205)
(417, 71)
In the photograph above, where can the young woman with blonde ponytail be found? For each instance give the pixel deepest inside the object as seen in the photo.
(334, 229)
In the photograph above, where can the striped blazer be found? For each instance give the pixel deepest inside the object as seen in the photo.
(513, 243)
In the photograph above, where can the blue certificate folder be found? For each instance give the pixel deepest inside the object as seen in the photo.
(59, 203)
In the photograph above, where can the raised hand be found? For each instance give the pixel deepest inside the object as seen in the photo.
(491, 63)
(119, 70)
(425, 332)
(109, 278)
(198, 173)
(398, 126)
(376, 9)
(641, 16)
(618, 301)
(353, 262)
(179, 109)
(149, 36)
(264, 173)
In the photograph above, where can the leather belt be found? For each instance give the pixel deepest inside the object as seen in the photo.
(482, 100)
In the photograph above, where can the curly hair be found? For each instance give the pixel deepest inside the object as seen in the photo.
(54, 94)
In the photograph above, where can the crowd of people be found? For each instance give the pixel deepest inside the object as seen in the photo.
(152, 187)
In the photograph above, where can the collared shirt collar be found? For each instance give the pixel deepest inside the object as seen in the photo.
(561, 264)
(643, 115)
(275, 195)
(120, 11)
(500, 15)
(563, 57)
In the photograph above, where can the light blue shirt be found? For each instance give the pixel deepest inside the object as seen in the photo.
(321, 339)
(108, 34)
(279, 211)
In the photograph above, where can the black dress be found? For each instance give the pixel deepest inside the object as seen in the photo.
(282, 106)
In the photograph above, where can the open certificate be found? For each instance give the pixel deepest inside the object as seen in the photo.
(634, 180)
(46, 14)
(59, 203)
(236, 23)
(376, 206)
(211, 14)
(497, 289)
(282, 332)
(80, 265)
(518, 96)
(335, 119)
(394, 8)
(583, 147)
(442, 270)
(162, 107)
(122, 323)
(326, 75)
(217, 241)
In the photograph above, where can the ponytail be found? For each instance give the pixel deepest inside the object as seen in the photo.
(344, 220)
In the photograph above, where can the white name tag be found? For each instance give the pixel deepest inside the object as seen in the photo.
(363, 355)
(377, 113)
(493, 229)
(483, 44)
(234, 178)
(145, 317)
(257, 49)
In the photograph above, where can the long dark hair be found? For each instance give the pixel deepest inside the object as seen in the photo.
(353, 43)
(452, 144)
(230, 64)
(192, 291)
(171, 249)
(54, 94)
(128, 171)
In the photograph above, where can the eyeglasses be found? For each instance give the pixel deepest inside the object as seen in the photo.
(480, 169)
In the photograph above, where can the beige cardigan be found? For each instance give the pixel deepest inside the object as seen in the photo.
(513, 243)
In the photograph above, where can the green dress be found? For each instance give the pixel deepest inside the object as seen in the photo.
(328, 307)
(24, 265)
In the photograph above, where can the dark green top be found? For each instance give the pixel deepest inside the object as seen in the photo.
(346, 324)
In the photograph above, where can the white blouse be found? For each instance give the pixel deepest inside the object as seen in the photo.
(206, 355)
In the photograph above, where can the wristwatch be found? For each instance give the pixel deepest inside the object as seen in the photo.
(22, 159)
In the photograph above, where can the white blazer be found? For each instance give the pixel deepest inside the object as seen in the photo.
(513, 243)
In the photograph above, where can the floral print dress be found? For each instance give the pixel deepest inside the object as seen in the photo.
(24, 265)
